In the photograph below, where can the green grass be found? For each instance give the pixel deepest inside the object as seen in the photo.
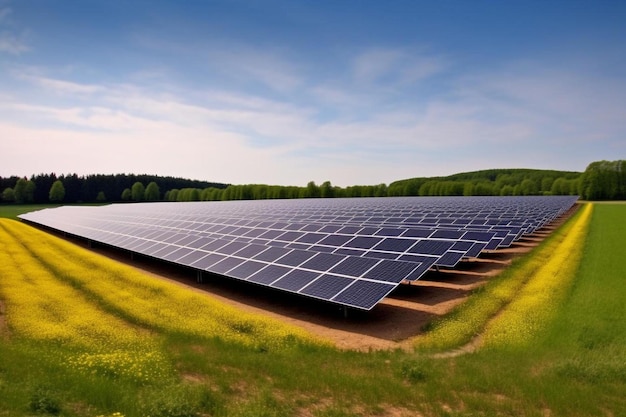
(576, 366)
(11, 211)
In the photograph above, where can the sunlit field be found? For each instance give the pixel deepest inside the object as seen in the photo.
(83, 335)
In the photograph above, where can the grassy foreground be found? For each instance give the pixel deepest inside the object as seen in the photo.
(81, 335)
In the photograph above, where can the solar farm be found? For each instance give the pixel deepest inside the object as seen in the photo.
(348, 252)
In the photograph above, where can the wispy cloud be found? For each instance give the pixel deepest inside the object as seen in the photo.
(63, 86)
(10, 41)
(324, 128)
(12, 44)
(396, 66)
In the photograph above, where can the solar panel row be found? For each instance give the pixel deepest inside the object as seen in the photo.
(347, 251)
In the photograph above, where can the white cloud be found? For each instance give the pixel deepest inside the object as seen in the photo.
(347, 133)
(12, 43)
(395, 66)
(262, 65)
(65, 87)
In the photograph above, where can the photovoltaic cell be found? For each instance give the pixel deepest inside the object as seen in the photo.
(271, 254)
(432, 247)
(380, 255)
(475, 250)
(215, 245)
(447, 234)
(191, 258)
(295, 280)
(250, 251)
(449, 259)
(246, 269)
(311, 238)
(353, 266)
(231, 248)
(362, 242)
(362, 247)
(364, 294)
(323, 261)
(327, 286)
(154, 247)
(290, 236)
(225, 265)
(295, 257)
(390, 271)
(394, 245)
(207, 261)
(200, 242)
(269, 274)
(177, 254)
(335, 240)
(418, 232)
(389, 231)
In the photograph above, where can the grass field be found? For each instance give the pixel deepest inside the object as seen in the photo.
(82, 335)
(11, 211)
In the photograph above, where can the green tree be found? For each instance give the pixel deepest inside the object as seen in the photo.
(559, 187)
(152, 192)
(173, 195)
(57, 192)
(126, 194)
(20, 190)
(137, 191)
(380, 190)
(506, 190)
(326, 190)
(8, 195)
(194, 195)
(30, 191)
(483, 188)
(546, 184)
(529, 187)
(101, 197)
(311, 190)
(604, 180)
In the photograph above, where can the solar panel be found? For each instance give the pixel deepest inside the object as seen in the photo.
(351, 252)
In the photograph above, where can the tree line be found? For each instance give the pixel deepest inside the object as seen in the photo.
(85, 189)
(602, 180)
(493, 182)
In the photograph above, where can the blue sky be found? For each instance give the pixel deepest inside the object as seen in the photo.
(286, 92)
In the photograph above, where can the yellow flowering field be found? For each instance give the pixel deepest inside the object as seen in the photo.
(542, 294)
(42, 308)
(109, 314)
(469, 320)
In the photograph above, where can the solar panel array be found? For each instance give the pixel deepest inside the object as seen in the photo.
(351, 252)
